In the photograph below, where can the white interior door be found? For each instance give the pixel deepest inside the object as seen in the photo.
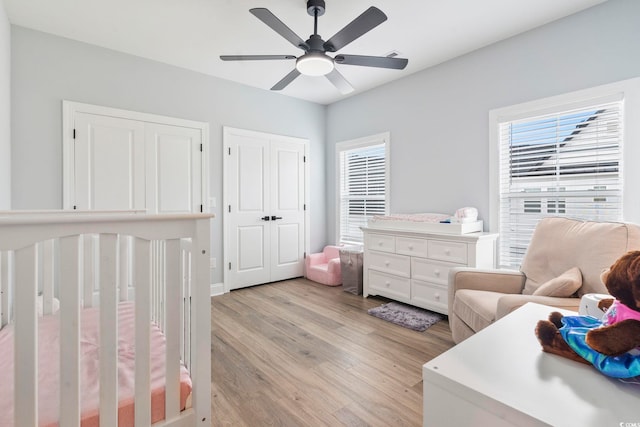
(109, 163)
(265, 221)
(287, 209)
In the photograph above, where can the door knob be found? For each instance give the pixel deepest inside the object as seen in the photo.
(265, 218)
(273, 217)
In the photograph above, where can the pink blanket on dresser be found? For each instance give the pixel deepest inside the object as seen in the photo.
(49, 370)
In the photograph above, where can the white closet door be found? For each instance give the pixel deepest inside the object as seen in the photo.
(109, 163)
(265, 222)
(249, 230)
(287, 209)
(174, 163)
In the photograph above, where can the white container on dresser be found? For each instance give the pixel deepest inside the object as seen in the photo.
(413, 267)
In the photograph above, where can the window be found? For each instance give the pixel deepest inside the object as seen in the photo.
(565, 162)
(363, 184)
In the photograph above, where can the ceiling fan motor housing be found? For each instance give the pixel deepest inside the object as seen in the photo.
(315, 43)
(315, 5)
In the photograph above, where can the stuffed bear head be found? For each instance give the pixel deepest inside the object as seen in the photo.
(623, 280)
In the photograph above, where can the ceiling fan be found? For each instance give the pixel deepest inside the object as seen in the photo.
(315, 61)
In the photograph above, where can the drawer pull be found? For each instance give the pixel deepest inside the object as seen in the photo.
(386, 263)
(410, 247)
(447, 251)
(437, 296)
(380, 243)
(436, 273)
(387, 283)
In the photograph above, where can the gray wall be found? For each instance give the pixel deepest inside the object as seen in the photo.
(438, 118)
(5, 109)
(47, 69)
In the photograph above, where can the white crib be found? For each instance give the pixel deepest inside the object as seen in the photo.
(91, 264)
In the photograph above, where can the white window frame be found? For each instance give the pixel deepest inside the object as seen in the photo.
(627, 90)
(364, 142)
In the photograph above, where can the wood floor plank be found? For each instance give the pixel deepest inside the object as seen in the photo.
(298, 353)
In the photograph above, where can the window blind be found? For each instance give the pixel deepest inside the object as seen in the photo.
(362, 189)
(562, 164)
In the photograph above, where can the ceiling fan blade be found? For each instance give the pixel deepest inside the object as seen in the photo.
(369, 19)
(254, 57)
(340, 82)
(286, 80)
(372, 61)
(278, 26)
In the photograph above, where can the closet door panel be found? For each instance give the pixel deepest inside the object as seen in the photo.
(287, 207)
(247, 183)
(109, 163)
(173, 169)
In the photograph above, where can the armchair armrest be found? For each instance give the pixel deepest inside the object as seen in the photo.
(314, 259)
(509, 303)
(333, 266)
(495, 280)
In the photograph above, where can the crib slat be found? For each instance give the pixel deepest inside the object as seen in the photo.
(108, 330)
(5, 280)
(124, 243)
(173, 303)
(47, 277)
(70, 331)
(185, 248)
(186, 292)
(88, 270)
(26, 348)
(143, 272)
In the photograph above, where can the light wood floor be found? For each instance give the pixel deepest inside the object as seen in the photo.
(296, 353)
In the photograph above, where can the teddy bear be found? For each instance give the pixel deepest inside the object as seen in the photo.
(611, 344)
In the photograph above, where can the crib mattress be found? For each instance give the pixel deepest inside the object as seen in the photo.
(49, 370)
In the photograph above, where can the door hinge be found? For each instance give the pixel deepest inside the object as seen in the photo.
(201, 148)
(304, 207)
(304, 255)
(75, 207)
(229, 208)
(304, 159)
(229, 266)
(201, 208)
(74, 134)
(229, 150)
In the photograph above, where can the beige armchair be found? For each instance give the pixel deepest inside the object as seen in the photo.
(477, 297)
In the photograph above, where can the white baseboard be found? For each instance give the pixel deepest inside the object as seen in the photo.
(217, 289)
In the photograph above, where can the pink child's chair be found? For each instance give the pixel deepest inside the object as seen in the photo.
(324, 267)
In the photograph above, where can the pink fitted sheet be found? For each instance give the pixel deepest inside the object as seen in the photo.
(49, 370)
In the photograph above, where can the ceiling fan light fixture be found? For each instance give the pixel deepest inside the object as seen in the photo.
(314, 64)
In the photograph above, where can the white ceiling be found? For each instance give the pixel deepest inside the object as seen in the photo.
(193, 33)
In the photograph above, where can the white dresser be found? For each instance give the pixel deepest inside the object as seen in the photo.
(413, 267)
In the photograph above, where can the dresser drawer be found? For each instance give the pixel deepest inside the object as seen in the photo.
(390, 286)
(448, 251)
(411, 246)
(382, 242)
(390, 263)
(430, 271)
(430, 295)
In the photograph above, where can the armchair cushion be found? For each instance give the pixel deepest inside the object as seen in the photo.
(562, 286)
(476, 308)
(559, 244)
